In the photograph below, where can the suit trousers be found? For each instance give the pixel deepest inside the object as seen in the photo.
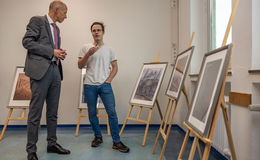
(47, 88)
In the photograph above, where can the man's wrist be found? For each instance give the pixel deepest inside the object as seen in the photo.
(108, 81)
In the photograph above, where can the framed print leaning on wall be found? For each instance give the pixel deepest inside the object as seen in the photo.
(206, 96)
(179, 73)
(21, 91)
(148, 83)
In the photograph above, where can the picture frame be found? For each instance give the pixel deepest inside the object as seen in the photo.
(21, 92)
(205, 99)
(179, 73)
(148, 83)
(82, 102)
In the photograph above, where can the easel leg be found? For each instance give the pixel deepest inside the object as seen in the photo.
(6, 123)
(108, 126)
(168, 129)
(156, 140)
(161, 126)
(206, 152)
(199, 150)
(78, 122)
(128, 115)
(159, 109)
(184, 90)
(163, 148)
(147, 126)
(184, 144)
(23, 113)
(228, 129)
(193, 148)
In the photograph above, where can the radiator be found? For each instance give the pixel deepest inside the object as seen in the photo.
(220, 141)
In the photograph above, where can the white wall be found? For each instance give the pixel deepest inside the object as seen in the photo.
(136, 29)
(240, 81)
(245, 123)
(199, 25)
(256, 34)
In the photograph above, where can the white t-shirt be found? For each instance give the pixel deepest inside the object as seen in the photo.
(98, 65)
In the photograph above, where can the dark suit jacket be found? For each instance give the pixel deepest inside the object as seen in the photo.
(40, 47)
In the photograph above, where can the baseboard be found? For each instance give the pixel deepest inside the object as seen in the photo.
(214, 151)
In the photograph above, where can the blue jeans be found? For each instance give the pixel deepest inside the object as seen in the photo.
(106, 94)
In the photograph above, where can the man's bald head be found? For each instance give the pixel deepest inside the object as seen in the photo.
(57, 4)
(57, 11)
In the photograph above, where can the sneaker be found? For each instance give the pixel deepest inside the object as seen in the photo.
(121, 147)
(96, 142)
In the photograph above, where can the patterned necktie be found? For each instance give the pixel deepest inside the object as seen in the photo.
(56, 39)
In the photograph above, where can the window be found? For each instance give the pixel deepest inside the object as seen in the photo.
(220, 11)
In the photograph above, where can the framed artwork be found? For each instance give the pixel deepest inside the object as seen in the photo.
(211, 78)
(82, 102)
(148, 83)
(21, 92)
(179, 73)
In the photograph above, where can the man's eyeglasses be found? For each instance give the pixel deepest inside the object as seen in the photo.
(96, 30)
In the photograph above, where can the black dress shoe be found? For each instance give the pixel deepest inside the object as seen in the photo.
(57, 149)
(32, 156)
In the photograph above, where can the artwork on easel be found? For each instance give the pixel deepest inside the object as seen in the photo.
(148, 83)
(21, 91)
(206, 96)
(179, 73)
(82, 101)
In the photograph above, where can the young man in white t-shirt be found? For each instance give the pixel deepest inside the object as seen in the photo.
(97, 58)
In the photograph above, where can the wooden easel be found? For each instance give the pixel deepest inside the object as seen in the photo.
(9, 117)
(208, 141)
(221, 104)
(137, 117)
(166, 123)
(99, 115)
(140, 109)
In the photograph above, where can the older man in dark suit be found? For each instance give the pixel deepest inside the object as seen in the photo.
(43, 66)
